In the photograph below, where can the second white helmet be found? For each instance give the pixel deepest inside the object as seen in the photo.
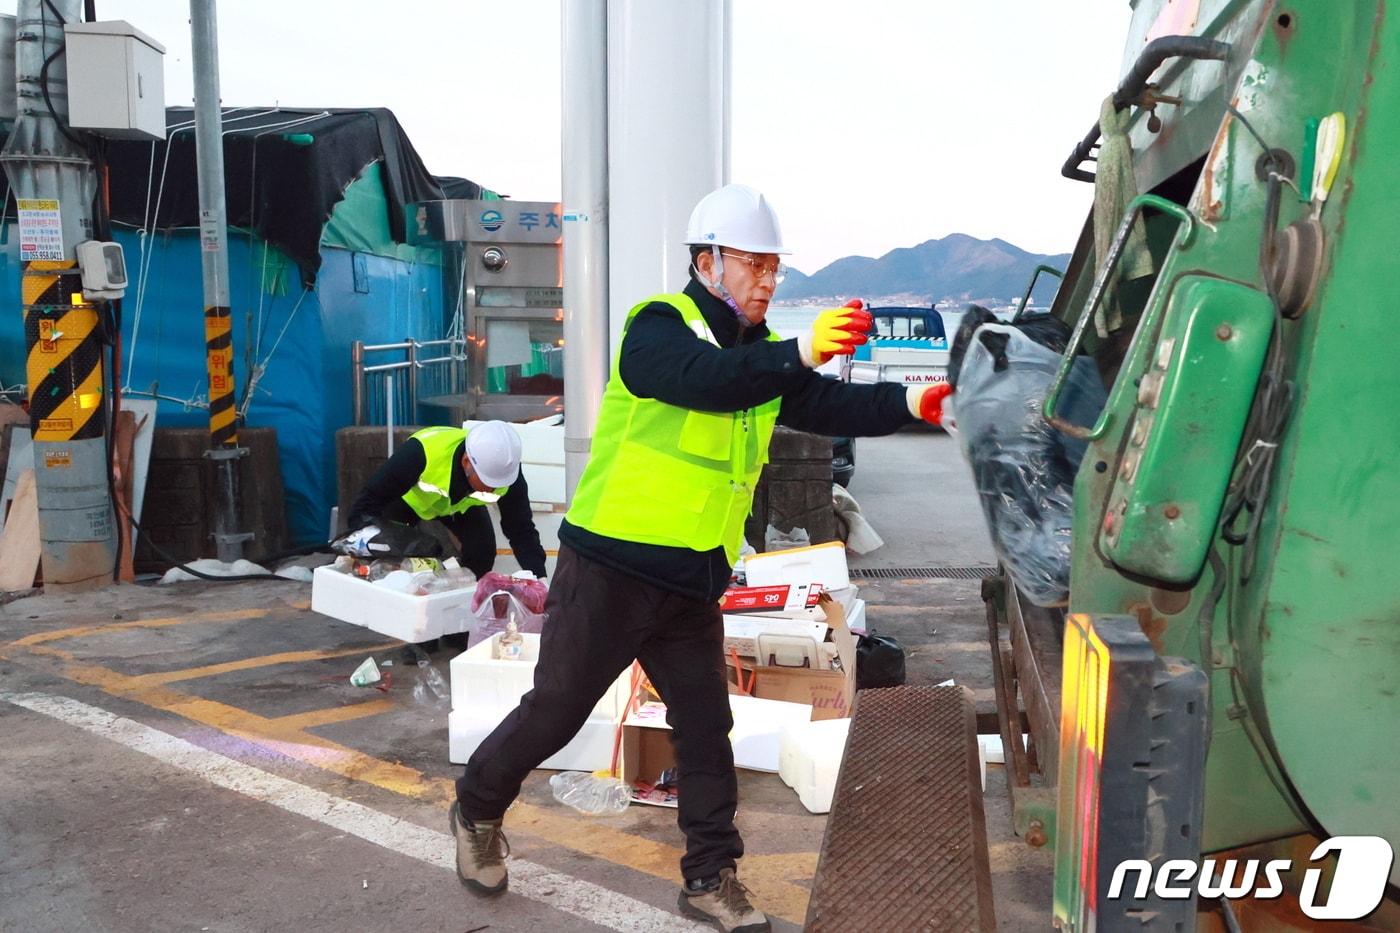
(736, 216)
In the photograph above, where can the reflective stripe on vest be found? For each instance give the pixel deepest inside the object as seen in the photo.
(662, 474)
(431, 496)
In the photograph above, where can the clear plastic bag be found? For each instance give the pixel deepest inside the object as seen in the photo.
(1023, 468)
(495, 613)
(777, 540)
(594, 794)
(429, 687)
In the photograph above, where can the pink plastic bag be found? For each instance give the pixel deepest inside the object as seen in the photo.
(499, 600)
(532, 593)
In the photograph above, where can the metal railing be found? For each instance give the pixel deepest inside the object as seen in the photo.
(388, 392)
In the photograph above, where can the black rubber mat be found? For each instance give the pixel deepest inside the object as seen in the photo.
(905, 847)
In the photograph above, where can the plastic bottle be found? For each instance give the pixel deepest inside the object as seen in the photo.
(344, 564)
(595, 794)
(511, 644)
(380, 569)
(416, 565)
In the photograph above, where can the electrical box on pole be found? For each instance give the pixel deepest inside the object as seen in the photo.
(116, 80)
(7, 67)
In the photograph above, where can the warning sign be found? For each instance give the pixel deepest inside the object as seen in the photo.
(40, 231)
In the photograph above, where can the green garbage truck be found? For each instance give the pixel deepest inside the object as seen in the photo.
(1197, 619)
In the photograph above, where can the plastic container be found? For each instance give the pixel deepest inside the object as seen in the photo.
(596, 795)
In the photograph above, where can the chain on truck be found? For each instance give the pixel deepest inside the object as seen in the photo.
(1194, 620)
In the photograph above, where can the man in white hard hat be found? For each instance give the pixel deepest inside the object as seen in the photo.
(697, 387)
(450, 474)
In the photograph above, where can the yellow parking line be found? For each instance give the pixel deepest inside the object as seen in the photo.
(233, 615)
(267, 660)
(767, 875)
(335, 714)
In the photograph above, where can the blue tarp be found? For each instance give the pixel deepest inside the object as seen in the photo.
(305, 393)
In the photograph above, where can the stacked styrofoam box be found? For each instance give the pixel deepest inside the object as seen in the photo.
(809, 760)
(541, 457)
(388, 611)
(485, 689)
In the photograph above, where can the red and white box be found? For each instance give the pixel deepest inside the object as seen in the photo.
(784, 597)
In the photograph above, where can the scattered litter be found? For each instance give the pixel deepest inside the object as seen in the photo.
(860, 536)
(367, 673)
(295, 572)
(946, 683)
(214, 568)
(430, 689)
(775, 539)
(364, 886)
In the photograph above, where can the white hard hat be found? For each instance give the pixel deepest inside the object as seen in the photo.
(493, 448)
(735, 216)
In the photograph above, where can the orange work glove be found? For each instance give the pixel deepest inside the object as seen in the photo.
(835, 332)
(926, 402)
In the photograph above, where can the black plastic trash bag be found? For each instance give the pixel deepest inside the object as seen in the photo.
(1023, 468)
(879, 662)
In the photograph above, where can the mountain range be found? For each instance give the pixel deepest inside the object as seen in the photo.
(955, 269)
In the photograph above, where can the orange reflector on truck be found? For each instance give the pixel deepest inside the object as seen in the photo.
(1132, 756)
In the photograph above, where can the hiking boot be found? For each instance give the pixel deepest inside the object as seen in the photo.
(723, 901)
(481, 853)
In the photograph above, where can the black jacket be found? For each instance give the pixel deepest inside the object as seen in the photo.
(382, 499)
(661, 358)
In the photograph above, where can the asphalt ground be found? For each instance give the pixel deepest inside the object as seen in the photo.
(193, 757)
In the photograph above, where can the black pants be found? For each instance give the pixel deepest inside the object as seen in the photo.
(600, 620)
(471, 528)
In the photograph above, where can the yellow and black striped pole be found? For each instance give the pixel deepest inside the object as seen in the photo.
(218, 358)
(54, 183)
(213, 238)
(64, 365)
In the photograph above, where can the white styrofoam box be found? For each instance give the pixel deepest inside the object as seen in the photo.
(809, 760)
(741, 632)
(758, 727)
(541, 457)
(487, 688)
(590, 749)
(820, 563)
(855, 617)
(399, 615)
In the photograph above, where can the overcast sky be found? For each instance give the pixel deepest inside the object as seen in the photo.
(871, 125)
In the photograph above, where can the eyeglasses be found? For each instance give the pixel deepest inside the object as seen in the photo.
(761, 267)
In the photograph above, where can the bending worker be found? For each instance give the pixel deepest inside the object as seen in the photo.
(656, 523)
(450, 474)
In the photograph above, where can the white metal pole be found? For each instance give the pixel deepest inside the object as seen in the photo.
(668, 138)
(585, 209)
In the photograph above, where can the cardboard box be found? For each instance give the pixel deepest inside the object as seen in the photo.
(844, 595)
(783, 598)
(820, 563)
(389, 612)
(829, 692)
(756, 737)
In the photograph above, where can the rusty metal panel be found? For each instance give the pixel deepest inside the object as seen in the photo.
(905, 847)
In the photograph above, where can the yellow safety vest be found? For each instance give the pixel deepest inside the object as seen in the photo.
(431, 496)
(662, 474)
